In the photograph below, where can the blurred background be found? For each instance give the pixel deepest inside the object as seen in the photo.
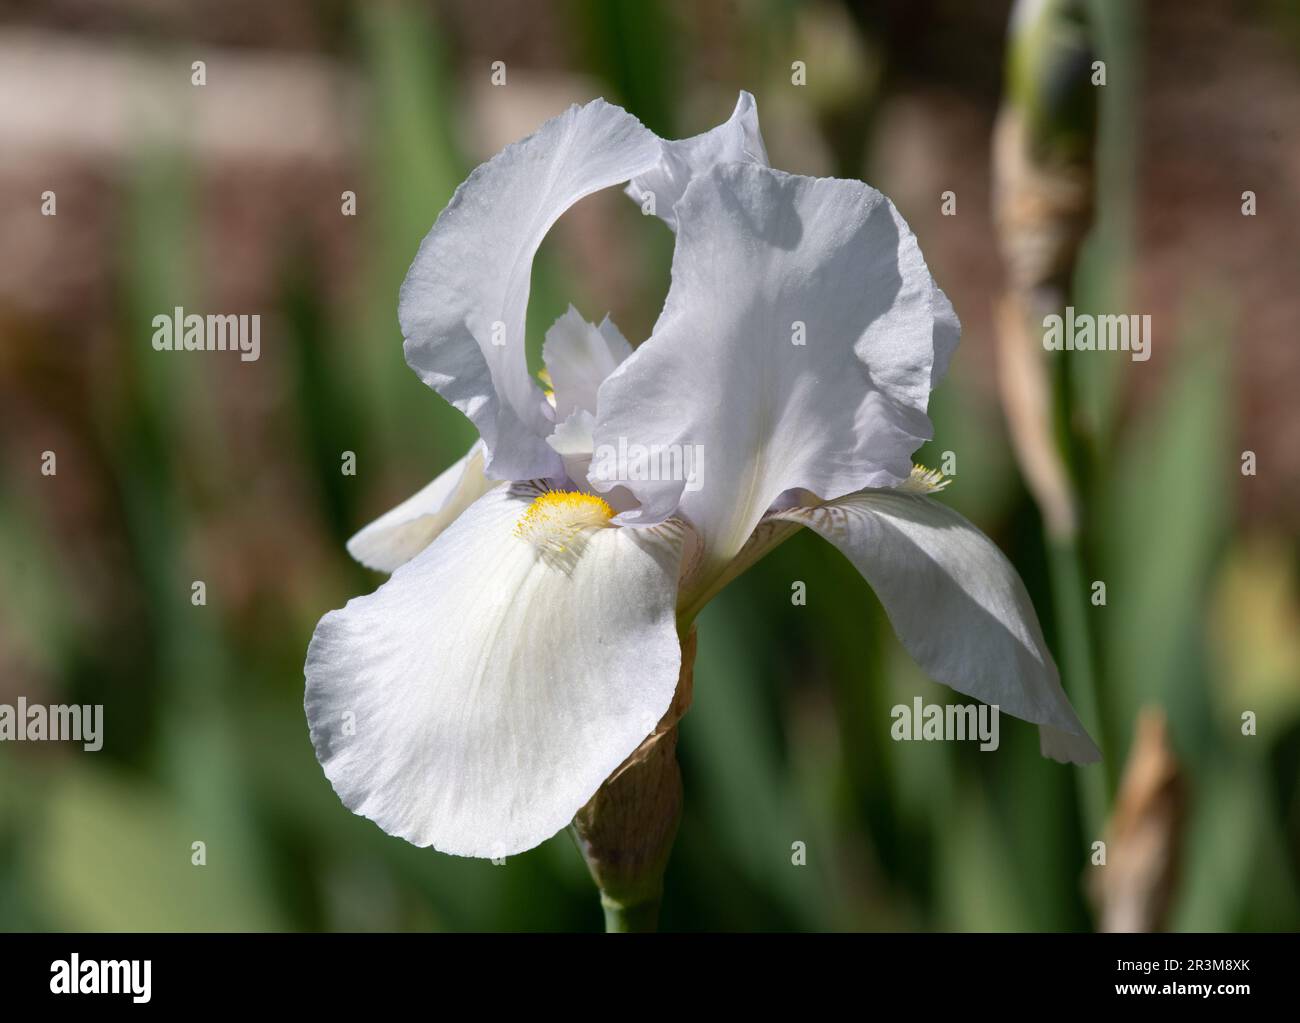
(227, 198)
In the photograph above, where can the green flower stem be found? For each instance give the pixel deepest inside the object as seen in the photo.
(1044, 183)
(631, 918)
(1068, 566)
(626, 831)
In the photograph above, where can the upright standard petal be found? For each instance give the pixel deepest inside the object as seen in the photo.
(797, 348)
(737, 140)
(462, 306)
(579, 356)
(402, 532)
(957, 604)
(478, 699)
(572, 441)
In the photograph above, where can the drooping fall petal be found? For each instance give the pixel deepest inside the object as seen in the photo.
(402, 532)
(957, 604)
(479, 697)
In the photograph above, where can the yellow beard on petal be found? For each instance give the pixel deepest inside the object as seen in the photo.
(557, 518)
(924, 481)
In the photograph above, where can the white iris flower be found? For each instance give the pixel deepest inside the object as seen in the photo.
(529, 637)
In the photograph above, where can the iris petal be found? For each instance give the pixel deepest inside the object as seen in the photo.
(797, 347)
(957, 605)
(479, 697)
(402, 532)
(578, 357)
(462, 306)
(737, 140)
